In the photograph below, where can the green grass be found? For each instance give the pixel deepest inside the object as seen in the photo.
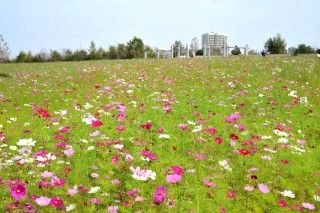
(198, 91)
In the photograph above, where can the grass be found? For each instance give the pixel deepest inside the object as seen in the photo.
(204, 91)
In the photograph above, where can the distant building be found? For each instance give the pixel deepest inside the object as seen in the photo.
(214, 42)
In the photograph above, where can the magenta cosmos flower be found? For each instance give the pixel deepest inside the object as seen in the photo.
(57, 203)
(160, 194)
(18, 191)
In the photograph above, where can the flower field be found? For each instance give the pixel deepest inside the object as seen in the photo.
(237, 134)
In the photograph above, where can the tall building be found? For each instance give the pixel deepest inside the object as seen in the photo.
(214, 42)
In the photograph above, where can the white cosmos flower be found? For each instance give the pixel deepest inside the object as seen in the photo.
(118, 146)
(197, 128)
(280, 133)
(94, 189)
(26, 142)
(293, 94)
(266, 137)
(90, 148)
(283, 140)
(165, 136)
(13, 148)
(88, 106)
(288, 193)
(316, 198)
(142, 174)
(70, 207)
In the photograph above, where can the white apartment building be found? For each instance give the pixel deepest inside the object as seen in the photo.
(214, 41)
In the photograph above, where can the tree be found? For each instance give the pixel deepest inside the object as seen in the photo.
(318, 51)
(55, 56)
(276, 45)
(135, 48)
(304, 49)
(122, 51)
(92, 51)
(100, 54)
(236, 51)
(112, 53)
(80, 55)
(150, 52)
(67, 55)
(21, 57)
(176, 46)
(4, 50)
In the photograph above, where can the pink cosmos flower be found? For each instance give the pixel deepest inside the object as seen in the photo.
(95, 200)
(308, 206)
(96, 123)
(149, 154)
(72, 191)
(43, 201)
(218, 140)
(69, 152)
(57, 182)
(159, 195)
(241, 127)
(173, 178)
(282, 203)
(184, 127)
(212, 130)
(18, 191)
(120, 128)
(208, 183)
(115, 159)
(177, 170)
(57, 203)
(233, 117)
(28, 208)
(47, 174)
(113, 209)
(263, 188)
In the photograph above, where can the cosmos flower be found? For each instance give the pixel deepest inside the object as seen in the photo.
(173, 178)
(233, 117)
(141, 174)
(26, 142)
(160, 195)
(263, 188)
(288, 193)
(18, 191)
(57, 203)
(308, 206)
(94, 189)
(43, 201)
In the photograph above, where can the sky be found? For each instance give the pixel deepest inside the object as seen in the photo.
(46, 24)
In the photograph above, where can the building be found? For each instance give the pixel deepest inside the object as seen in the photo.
(214, 43)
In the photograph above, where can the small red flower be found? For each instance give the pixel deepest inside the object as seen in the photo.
(234, 137)
(244, 152)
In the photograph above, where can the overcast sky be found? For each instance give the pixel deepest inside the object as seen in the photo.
(36, 24)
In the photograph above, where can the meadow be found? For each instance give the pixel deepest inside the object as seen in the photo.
(238, 134)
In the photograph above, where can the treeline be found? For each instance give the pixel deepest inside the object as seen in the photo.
(134, 48)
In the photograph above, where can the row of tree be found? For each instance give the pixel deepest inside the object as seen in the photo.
(134, 48)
